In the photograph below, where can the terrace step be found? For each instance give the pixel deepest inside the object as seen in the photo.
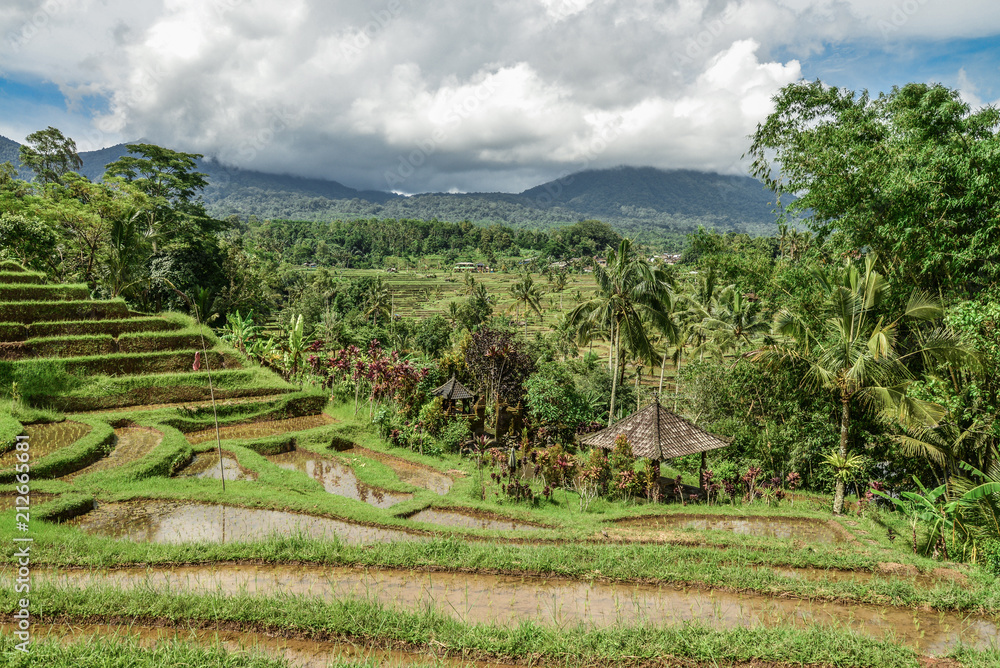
(144, 363)
(34, 293)
(33, 277)
(30, 312)
(16, 331)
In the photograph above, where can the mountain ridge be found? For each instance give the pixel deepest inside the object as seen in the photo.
(630, 198)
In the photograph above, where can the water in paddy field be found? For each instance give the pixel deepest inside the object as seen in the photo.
(469, 520)
(506, 600)
(337, 478)
(814, 531)
(131, 444)
(44, 439)
(206, 465)
(181, 522)
(415, 474)
(261, 429)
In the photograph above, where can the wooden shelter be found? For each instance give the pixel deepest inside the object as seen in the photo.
(451, 392)
(656, 433)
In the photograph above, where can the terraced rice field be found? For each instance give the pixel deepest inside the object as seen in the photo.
(131, 445)
(46, 439)
(261, 429)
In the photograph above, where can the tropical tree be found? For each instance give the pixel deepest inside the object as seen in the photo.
(628, 299)
(526, 292)
(734, 320)
(378, 301)
(49, 154)
(857, 356)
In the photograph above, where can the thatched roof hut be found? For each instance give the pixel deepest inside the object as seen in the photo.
(656, 433)
(453, 390)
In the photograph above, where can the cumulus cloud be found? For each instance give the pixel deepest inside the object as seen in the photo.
(465, 95)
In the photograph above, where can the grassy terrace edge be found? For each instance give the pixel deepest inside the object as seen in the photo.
(376, 624)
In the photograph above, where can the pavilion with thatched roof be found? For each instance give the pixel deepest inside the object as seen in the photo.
(657, 434)
(451, 392)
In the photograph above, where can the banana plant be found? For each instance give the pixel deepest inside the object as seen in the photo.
(296, 345)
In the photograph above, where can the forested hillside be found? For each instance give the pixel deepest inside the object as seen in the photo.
(640, 202)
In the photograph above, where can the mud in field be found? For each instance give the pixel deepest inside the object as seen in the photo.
(206, 465)
(44, 439)
(470, 519)
(337, 478)
(415, 474)
(298, 652)
(131, 444)
(508, 600)
(261, 429)
(794, 528)
(9, 501)
(181, 522)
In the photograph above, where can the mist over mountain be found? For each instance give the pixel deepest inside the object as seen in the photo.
(634, 199)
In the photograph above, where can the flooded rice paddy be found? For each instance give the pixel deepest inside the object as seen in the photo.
(337, 477)
(415, 474)
(299, 653)
(44, 439)
(261, 429)
(206, 465)
(9, 501)
(131, 445)
(798, 528)
(181, 522)
(477, 598)
(469, 519)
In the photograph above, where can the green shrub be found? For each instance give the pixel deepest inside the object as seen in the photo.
(454, 434)
(33, 311)
(991, 556)
(27, 292)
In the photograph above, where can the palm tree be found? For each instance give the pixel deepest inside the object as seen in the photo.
(378, 301)
(526, 292)
(629, 293)
(733, 320)
(856, 356)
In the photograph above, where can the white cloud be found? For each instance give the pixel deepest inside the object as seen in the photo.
(470, 94)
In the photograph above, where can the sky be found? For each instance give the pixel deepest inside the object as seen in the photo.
(464, 95)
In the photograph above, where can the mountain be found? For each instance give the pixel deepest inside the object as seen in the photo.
(636, 200)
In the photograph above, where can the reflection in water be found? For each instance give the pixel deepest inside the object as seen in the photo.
(179, 522)
(337, 478)
(814, 531)
(469, 520)
(510, 600)
(415, 474)
(206, 465)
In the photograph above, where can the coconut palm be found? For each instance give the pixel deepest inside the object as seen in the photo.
(378, 301)
(526, 292)
(857, 356)
(733, 320)
(628, 299)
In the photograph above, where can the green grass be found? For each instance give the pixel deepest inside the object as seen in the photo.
(373, 623)
(28, 292)
(30, 312)
(124, 651)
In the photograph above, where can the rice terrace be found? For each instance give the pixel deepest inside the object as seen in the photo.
(269, 421)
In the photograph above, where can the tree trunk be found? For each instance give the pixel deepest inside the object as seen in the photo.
(614, 383)
(677, 379)
(845, 419)
(663, 367)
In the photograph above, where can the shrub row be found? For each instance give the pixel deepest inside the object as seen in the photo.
(96, 444)
(26, 293)
(22, 277)
(30, 312)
